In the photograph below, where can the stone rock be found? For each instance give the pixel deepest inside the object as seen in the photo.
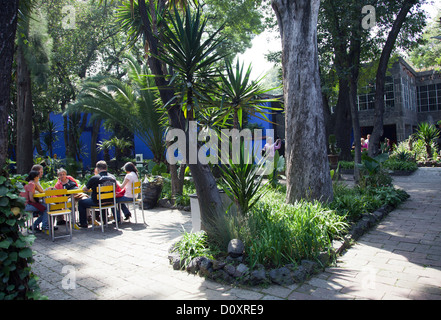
(232, 260)
(205, 267)
(309, 266)
(235, 248)
(175, 260)
(230, 269)
(242, 270)
(222, 276)
(194, 265)
(258, 277)
(281, 276)
(324, 258)
(378, 215)
(218, 265)
(300, 274)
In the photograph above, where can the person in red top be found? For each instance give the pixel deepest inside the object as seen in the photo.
(32, 204)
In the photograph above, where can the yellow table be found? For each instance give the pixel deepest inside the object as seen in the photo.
(72, 193)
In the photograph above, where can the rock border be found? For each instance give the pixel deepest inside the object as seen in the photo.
(233, 271)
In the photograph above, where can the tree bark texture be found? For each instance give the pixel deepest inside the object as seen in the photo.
(308, 175)
(374, 142)
(342, 120)
(25, 110)
(8, 27)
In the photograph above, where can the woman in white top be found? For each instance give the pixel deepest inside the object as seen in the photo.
(129, 179)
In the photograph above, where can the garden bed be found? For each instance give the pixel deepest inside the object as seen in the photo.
(235, 266)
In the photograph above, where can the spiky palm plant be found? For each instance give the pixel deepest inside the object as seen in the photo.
(191, 54)
(428, 133)
(130, 104)
(242, 95)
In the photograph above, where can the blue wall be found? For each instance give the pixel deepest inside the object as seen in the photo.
(140, 147)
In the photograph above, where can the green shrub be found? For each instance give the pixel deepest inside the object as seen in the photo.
(277, 233)
(353, 202)
(192, 245)
(396, 164)
(346, 164)
(16, 278)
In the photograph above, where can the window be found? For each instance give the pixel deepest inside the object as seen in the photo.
(429, 97)
(366, 95)
(408, 93)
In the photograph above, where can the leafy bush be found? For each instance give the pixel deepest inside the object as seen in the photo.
(276, 233)
(16, 279)
(396, 164)
(192, 245)
(428, 133)
(373, 172)
(353, 202)
(416, 149)
(242, 181)
(346, 164)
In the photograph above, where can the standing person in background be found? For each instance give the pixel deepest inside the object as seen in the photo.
(364, 145)
(270, 148)
(269, 152)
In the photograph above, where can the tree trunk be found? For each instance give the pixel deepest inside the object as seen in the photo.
(8, 27)
(206, 188)
(308, 175)
(94, 139)
(25, 112)
(374, 142)
(356, 126)
(343, 121)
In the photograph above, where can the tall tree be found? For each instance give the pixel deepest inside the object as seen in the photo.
(428, 54)
(25, 107)
(307, 163)
(374, 142)
(8, 27)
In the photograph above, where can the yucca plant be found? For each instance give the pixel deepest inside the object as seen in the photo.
(428, 133)
(242, 181)
(241, 95)
(191, 53)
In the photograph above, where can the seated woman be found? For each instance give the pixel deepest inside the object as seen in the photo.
(32, 204)
(129, 179)
(67, 182)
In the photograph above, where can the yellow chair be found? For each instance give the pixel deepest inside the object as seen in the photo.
(106, 200)
(137, 191)
(59, 205)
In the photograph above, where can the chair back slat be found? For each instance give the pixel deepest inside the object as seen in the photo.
(105, 189)
(104, 196)
(59, 206)
(57, 199)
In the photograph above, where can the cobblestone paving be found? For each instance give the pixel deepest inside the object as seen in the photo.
(400, 258)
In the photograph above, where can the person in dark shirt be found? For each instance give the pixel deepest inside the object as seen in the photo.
(101, 178)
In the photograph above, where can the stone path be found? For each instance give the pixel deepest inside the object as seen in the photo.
(400, 258)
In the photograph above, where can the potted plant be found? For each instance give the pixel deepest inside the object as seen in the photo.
(333, 151)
